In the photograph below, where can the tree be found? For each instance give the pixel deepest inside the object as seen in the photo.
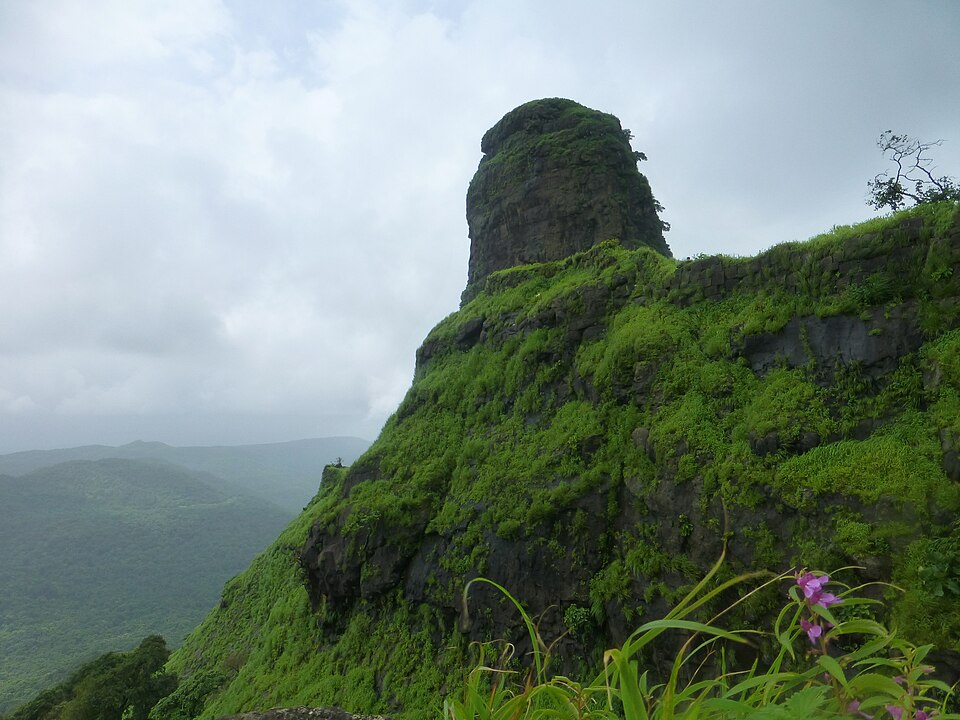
(913, 180)
(113, 687)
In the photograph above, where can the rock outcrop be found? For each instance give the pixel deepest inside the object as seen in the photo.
(556, 178)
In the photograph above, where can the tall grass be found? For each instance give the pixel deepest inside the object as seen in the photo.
(853, 667)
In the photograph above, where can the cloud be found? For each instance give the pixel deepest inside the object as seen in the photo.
(237, 220)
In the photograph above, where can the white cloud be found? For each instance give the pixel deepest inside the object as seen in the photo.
(232, 218)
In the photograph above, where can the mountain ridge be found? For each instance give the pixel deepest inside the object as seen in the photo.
(285, 473)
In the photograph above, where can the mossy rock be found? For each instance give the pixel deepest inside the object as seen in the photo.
(556, 178)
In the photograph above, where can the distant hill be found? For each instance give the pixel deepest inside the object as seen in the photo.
(286, 474)
(95, 555)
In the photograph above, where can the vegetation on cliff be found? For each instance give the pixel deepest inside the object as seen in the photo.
(114, 686)
(851, 667)
(590, 432)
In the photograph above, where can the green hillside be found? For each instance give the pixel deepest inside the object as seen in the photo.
(285, 474)
(95, 555)
(589, 432)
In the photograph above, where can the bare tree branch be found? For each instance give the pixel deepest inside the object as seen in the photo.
(913, 168)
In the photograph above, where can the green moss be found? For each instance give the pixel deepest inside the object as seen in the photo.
(787, 403)
(612, 583)
(579, 620)
(265, 616)
(929, 610)
(943, 356)
(900, 463)
(857, 538)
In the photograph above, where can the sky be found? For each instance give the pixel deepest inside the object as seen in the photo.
(234, 221)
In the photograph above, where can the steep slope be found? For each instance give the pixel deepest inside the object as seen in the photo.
(285, 474)
(96, 555)
(586, 432)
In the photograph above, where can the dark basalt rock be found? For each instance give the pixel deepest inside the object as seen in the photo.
(556, 178)
(950, 442)
(342, 567)
(875, 343)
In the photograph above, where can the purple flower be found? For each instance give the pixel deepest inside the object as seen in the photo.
(813, 631)
(895, 710)
(812, 584)
(813, 592)
(853, 707)
(922, 715)
(827, 599)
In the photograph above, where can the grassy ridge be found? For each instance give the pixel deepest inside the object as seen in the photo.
(264, 645)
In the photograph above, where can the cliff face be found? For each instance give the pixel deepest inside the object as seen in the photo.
(588, 431)
(575, 432)
(556, 178)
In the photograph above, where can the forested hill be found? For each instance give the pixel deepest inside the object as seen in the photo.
(95, 555)
(286, 474)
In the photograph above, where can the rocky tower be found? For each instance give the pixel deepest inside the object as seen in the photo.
(556, 178)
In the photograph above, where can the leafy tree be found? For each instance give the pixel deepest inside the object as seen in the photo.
(115, 686)
(913, 180)
(641, 157)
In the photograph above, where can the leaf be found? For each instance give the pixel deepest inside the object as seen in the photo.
(824, 613)
(879, 662)
(832, 667)
(870, 648)
(939, 685)
(863, 627)
(806, 702)
(761, 680)
(634, 707)
(786, 642)
(867, 684)
(772, 712)
(727, 705)
(692, 625)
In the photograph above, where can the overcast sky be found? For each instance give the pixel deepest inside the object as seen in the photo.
(225, 222)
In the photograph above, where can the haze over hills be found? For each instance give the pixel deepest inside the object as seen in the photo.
(286, 474)
(97, 554)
